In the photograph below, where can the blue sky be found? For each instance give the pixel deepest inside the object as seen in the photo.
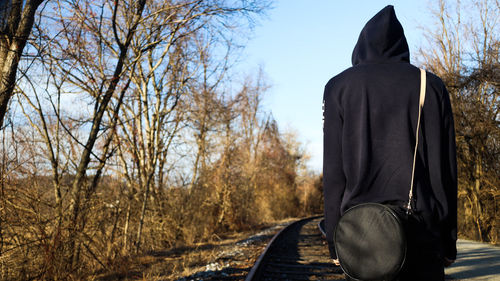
(301, 44)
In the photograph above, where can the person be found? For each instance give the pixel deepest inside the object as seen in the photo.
(370, 114)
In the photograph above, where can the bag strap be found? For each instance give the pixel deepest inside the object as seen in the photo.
(420, 106)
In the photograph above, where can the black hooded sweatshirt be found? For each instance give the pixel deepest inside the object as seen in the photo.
(370, 116)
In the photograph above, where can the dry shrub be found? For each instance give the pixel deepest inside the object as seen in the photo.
(240, 190)
(463, 49)
(310, 195)
(33, 243)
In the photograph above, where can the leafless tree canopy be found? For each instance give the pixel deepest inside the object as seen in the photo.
(463, 49)
(129, 132)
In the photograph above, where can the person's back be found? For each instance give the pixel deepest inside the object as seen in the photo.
(370, 116)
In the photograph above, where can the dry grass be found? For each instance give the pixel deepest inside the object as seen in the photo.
(233, 253)
(183, 230)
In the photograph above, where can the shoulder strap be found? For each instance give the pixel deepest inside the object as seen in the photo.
(420, 105)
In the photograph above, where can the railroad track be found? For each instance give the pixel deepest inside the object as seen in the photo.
(297, 252)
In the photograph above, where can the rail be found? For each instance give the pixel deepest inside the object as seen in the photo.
(297, 252)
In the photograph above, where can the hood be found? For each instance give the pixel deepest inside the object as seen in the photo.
(381, 40)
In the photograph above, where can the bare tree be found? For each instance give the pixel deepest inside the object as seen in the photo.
(150, 121)
(181, 38)
(112, 85)
(463, 49)
(89, 62)
(16, 21)
(206, 103)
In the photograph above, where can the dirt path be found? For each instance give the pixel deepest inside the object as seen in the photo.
(475, 261)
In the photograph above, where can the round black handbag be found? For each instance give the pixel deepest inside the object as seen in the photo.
(369, 238)
(370, 242)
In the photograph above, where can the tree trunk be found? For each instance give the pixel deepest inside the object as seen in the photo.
(75, 220)
(13, 36)
(125, 228)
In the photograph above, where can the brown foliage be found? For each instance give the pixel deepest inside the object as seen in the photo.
(159, 155)
(464, 50)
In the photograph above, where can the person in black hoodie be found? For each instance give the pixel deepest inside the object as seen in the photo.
(370, 114)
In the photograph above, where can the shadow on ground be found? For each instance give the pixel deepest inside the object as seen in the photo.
(475, 261)
(164, 263)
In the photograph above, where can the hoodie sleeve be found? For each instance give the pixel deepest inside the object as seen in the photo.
(449, 170)
(333, 175)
